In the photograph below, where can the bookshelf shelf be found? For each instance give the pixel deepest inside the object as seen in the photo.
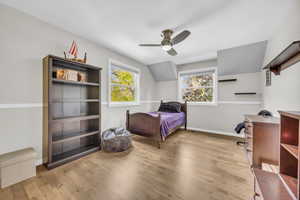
(290, 183)
(293, 149)
(72, 136)
(74, 82)
(68, 156)
(271, 186)
(75, 118)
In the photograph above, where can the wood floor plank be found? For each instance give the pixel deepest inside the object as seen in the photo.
(189, 166)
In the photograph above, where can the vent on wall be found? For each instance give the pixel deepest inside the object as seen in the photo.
(164, 71)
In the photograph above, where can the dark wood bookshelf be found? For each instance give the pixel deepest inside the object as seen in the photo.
(288, 57)
(71, 121)
(289, 151)
(285, 185)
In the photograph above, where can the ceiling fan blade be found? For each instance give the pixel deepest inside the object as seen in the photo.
(150, 45)
(180, 37)
(172, 52)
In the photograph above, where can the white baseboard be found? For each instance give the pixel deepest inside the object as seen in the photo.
(216, 132)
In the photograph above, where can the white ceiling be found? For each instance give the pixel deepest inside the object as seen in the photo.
(122, 24)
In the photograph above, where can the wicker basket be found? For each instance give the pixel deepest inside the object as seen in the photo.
(115, 140)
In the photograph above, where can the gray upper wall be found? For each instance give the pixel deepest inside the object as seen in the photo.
(243, 59)
(164, 71)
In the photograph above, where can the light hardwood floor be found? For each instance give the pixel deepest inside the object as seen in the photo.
(189, 166)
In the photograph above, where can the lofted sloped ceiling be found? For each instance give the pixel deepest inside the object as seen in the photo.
(121, 25)
(243, 59)
(164, 71)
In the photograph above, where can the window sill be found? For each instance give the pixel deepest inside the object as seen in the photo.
(123, 104)
(202, 104)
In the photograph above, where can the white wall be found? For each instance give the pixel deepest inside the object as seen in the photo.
(24, 41)
(284, 93)
(230, 109)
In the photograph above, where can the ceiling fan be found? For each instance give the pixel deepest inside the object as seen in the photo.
(167, 43)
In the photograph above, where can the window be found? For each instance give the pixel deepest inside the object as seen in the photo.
(198, 86)
(123, 84)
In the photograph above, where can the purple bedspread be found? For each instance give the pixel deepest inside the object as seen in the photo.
(169, 121)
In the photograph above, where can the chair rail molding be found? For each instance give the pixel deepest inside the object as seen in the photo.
(21, 105)
(39, 105)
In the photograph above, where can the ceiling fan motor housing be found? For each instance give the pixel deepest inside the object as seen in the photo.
(166, 42)
(167, 34)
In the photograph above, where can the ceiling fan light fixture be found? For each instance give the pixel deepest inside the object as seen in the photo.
(166, 47)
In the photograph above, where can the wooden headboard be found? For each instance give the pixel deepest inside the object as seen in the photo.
(183, 105)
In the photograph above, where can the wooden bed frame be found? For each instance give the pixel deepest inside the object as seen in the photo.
(146, 125)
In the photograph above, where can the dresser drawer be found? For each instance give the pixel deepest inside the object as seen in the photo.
(249, 142)
(249, 157)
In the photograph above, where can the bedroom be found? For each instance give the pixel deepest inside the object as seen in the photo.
(226, 44)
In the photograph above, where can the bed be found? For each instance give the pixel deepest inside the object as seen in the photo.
(157, 125)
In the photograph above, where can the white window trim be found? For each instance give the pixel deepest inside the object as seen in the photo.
(215, 88)
(137, 84)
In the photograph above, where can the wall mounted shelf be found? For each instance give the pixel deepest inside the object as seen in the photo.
(245, 93)
(227, 80)
(287, 58)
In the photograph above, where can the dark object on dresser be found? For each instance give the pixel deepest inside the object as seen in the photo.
(144, 124)
(115, 140)
(265, 113)
(71, 112)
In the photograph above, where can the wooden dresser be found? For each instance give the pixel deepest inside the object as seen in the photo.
(262, 140)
